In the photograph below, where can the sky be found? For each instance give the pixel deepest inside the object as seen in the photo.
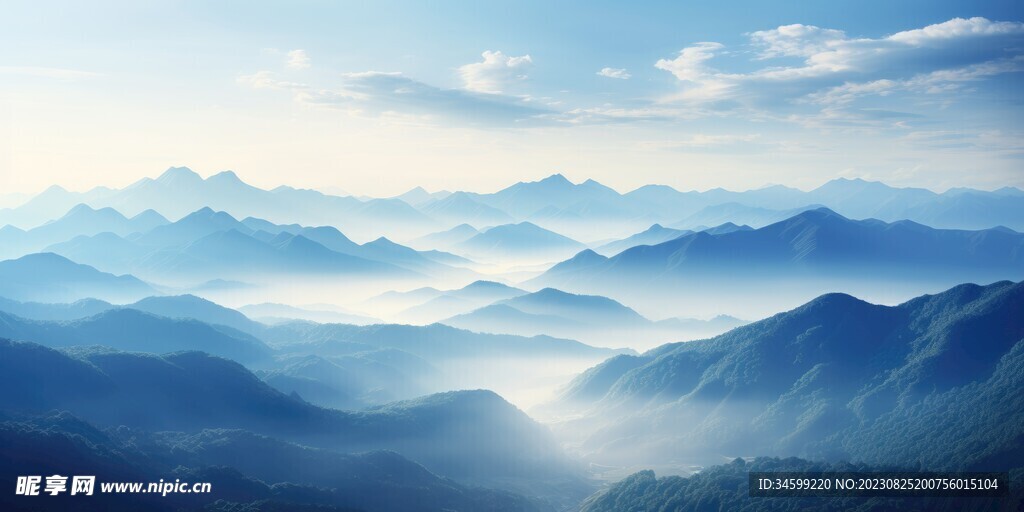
(374, 98)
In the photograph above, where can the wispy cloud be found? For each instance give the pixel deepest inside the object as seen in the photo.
(495, 72)
(378, 93)
(298, 59)
(619, 73)
(836, 69)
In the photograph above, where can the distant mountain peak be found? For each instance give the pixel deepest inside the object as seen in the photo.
(178, 175)
(225, 176)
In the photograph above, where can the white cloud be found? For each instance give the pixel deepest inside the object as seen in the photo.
(619, 73)
(495, 72)
(689, 64)
(795, 40)
(839, 70)
(394, 96)
(298, 59)
(957, 28)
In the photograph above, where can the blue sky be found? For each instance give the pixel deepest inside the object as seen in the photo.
(377, 97)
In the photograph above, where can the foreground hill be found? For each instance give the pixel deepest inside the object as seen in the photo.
(725, 487)
(932, 381)
(484, 438)
(247, 472)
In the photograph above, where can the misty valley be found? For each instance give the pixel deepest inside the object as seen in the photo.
(551, 346)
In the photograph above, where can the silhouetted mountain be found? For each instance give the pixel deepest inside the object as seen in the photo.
(655, 234)
(196, 308)
(814, 243)
(277, 313)
(130, 329)
(57, 312)
(355, 381)
(418, 197)
(432, 342)
(453, 302)
(447, 239)
(47, 277)
(527, 198)
(518, 241)
(79, 221)
(589, 318)
(737, 213)
(932, 381)
(460, 207)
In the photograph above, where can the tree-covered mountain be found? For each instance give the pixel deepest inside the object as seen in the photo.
(468, 435)
(138, 331)
(932, 381)
(247, 471)
(726, 487)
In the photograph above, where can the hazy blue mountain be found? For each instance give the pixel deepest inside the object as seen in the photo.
(234, 253)
(277, 313)
(484, 437)
(387, 251)
(461, 207)
(813, 242)
(453, 302)
(447, 239)
(354, 381)
(47, 277)
(737, 213)
(728, 227)
(196, 308)
(256, 224)
(252, 472)
(45, 206)
(590, 309)
(527, 198)
(502, 318)
(197, 224)
(56, 312)
(726, 487)
(81, 220)
(394, 301)
(331, 238)
(134, 330)
(518, 241)
(180, 191)
(106, 251)
(418, 197)
(655, 234)
(432, 342)
(932, 381)
(588, 318)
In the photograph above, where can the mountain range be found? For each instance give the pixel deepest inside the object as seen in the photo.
(813, 252)
(928, 382)
(554, 203)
